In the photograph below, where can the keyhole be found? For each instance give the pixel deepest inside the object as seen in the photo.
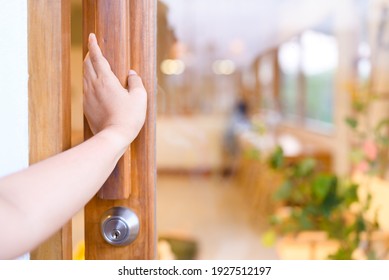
(119, 226)
(115, 234)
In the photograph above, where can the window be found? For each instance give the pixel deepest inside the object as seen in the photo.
(307, 65)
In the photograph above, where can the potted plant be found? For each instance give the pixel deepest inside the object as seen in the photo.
(321, 207)
(369, 154)
(369, 137)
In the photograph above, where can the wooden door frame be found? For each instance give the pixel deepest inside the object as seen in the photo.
(49, 98)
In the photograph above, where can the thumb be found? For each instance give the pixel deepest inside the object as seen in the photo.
(134, 82)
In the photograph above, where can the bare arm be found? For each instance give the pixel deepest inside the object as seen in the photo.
(37, 201)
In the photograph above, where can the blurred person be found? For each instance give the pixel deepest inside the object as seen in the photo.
(238, 123)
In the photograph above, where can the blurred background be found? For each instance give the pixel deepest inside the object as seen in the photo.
(237, 80)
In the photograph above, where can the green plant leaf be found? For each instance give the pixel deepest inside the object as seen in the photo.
(306, 167)
(351, 194)
(359, 106)
(322, 185)
(284, 192)
(305, 221)
(381, 131)
(342, 254)
(274, 220)
(360, 224)
(352, 122)
(276, 159)
(331, 202)
(382, 124)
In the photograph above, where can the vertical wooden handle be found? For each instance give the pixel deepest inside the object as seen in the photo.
(112, 30)
(141, 17)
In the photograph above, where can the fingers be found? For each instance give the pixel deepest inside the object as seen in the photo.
(100, 64)
(89, 71)
(135, 83)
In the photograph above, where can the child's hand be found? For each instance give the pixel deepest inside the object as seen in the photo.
(107, 105)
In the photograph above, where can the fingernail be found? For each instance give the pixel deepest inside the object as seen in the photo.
(132, 73)
(92, 36)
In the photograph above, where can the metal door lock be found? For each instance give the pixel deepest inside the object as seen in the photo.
(119, 226)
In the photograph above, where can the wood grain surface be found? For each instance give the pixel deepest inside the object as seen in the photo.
(49, 98)
(134, 36)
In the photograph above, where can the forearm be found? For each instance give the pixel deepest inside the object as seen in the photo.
(34, 203)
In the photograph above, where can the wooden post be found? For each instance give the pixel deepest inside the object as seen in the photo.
(301, 88)
(276, 81)
(257, 98)
(49, 97)
(127, 19)
(110, 21)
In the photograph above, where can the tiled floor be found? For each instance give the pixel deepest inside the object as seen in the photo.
(212, 211)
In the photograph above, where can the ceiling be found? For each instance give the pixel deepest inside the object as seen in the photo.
(241, 29)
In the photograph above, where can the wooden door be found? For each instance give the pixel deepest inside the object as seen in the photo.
(125, 31)
(49, 98)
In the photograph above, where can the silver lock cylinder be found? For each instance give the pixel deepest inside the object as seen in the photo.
(119, 226)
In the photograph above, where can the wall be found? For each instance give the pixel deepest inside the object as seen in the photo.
(13, 86)
(190, 143)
